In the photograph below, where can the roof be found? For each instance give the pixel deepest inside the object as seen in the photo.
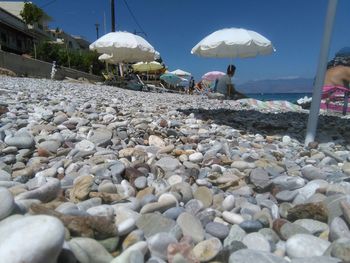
(14, 8)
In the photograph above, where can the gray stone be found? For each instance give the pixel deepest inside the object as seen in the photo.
(7, 203)
(256, 241)
(218, 230)
(158, 244)
(338, 229)
(321, 259)
(341, 249)
(313, 226)
(290, 229)
(249, 255)
(29, 235)
(311, 172)
(236, 234)
(88, 250)
(191, 226)
(152, 224)
(302, 245)
(250, 226)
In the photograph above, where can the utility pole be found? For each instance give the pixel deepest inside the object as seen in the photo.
(113, 15)
(97, 34)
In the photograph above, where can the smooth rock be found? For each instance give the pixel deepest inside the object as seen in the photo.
(302, 245)
(206, 250)
(191, 226)
(88, 250)
(26, 239)
(249, 255)
(7, 203)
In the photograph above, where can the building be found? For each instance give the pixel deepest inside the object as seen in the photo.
(58, 36)
(15, 35)
(19, 38)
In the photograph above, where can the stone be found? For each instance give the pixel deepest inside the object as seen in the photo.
(84, 226)
(250, 226)
(24, 141)
(341, 249)
(168, 164)
(196, 157)
(204, 195)
(316, 211)
(7, 203)
(321, 259)
(290, 229)
(88, 250)
(81, 188)
(152, 224)
(191, 226)
(45, 193)
(311, 172)
(313, 226)
(85, 146)
(206, 250)
(338, 229)
(256, 241)
(125, 255)
(302, 245)
(181, 251)
(28, 237)
(126, 226)
(134, 237)
(217, 230)
(232, 218)
(158, 244)
(236, 234)
(228, 203)
(100, 137)
(154, 140)
(260, 179)
(250, 255)
(110, 244)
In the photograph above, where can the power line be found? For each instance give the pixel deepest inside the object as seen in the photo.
(134, 17)
(48, 3)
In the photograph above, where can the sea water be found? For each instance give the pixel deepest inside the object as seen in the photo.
(291, 97)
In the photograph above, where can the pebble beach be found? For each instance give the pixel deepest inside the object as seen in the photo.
(93, 174)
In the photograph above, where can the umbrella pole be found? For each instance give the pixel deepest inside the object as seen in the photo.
(321, 70)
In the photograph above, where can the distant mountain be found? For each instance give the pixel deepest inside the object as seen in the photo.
(283, 85)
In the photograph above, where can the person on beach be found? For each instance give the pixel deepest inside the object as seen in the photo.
(336, 83)
(226, 87)
(191, 84)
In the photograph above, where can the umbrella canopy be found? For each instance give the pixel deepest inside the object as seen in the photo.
(233, 43)
(171, 78)
(213, 75)
(125, 47)
(147, 66)
(107, 58)
(180, 72)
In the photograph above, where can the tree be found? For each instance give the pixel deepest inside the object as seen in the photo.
(31, 13)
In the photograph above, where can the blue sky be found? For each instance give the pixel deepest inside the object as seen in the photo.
(173, 27)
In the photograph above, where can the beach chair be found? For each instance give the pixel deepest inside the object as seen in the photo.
(335, 98)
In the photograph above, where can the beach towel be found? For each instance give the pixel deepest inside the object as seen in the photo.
(279, 105)
(334, 99)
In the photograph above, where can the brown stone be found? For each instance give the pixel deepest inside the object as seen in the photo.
(43, 152)
(182, 249)
(317, 211)
(81, 188)
(107, 198)
(147, 191)
(131, 174)
(277, 225)
(98, 227)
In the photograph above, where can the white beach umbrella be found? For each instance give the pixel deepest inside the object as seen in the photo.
(125, 47)
(106, 58)
(233, 43)
(180, 72)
